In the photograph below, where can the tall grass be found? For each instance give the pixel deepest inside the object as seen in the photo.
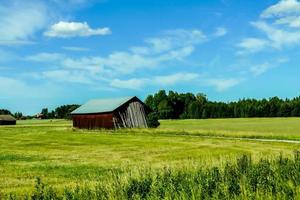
(277, 178)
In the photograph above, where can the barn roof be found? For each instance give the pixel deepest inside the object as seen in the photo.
(101, 105)
(7, 118)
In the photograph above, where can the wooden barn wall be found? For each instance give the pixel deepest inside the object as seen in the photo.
(93, 121)
(130, 115)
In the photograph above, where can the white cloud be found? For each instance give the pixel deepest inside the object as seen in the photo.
(134, 83)
(251, 45)
(67, 76)
(170, 40)
(178, 54)
(16, 42)
(277, 29)
(278, 37)
(19, 21)
(71, 48)
(291, 21)
(185, 37)
(282, 8)
(116, 63)
(91, 65)
(45, 57)
(158, 45)
(127, 63)
(260, 69)
(220, 31)
(183, 43)
(160, 52)
(165, 80)
(74, 29)
(175, 78)
(222, 84)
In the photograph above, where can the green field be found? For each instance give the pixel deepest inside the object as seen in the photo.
(62, 156)
(272, 128)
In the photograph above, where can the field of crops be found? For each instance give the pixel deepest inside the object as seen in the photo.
(81, 162)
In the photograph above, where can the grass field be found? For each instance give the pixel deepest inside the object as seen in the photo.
(272, 128)
(63, 156)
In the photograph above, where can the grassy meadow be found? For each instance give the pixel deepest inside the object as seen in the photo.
(65, 157)
(270, 128)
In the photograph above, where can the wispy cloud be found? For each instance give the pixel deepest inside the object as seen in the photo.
(171, 40)
(20, 21)
(171, 46)
(175, 78)
(72, 48)
(46, 57)
(222, 84)
(67, 76)
(74, 29)
(275, 23)
(282, 8)
(133, 83)
(278, 37)
(261, 68)
(163, 80)
(291, 21)
(252, 45)
(220, 31)
(156, 54)
(16, 42)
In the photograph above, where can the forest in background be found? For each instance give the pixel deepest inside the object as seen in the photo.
(61, 112)
(174, 105)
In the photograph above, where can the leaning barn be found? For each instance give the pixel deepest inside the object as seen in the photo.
(128, 112)
(7, 120)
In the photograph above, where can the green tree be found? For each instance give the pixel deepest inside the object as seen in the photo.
(195, 110)
(18, 115)
(152, 120)
(45, 113)
(165, 109)
(4, 112)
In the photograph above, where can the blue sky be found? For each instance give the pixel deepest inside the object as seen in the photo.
(69, 51)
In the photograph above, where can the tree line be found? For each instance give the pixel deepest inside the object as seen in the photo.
(61, 112)
(173, 105)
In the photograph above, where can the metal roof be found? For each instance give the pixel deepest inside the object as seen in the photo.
(7, 118)
(101, 105)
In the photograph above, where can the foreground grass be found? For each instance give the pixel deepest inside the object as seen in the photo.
(270, 128)
(267, 179)
(65, 157)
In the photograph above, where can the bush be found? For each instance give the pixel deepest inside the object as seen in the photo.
(152, 120)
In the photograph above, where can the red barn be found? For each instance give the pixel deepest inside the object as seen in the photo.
(7, 120)
(127, 112)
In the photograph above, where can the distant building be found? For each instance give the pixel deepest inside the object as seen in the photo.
(128, 112)
(7, 120)
(40, 116)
